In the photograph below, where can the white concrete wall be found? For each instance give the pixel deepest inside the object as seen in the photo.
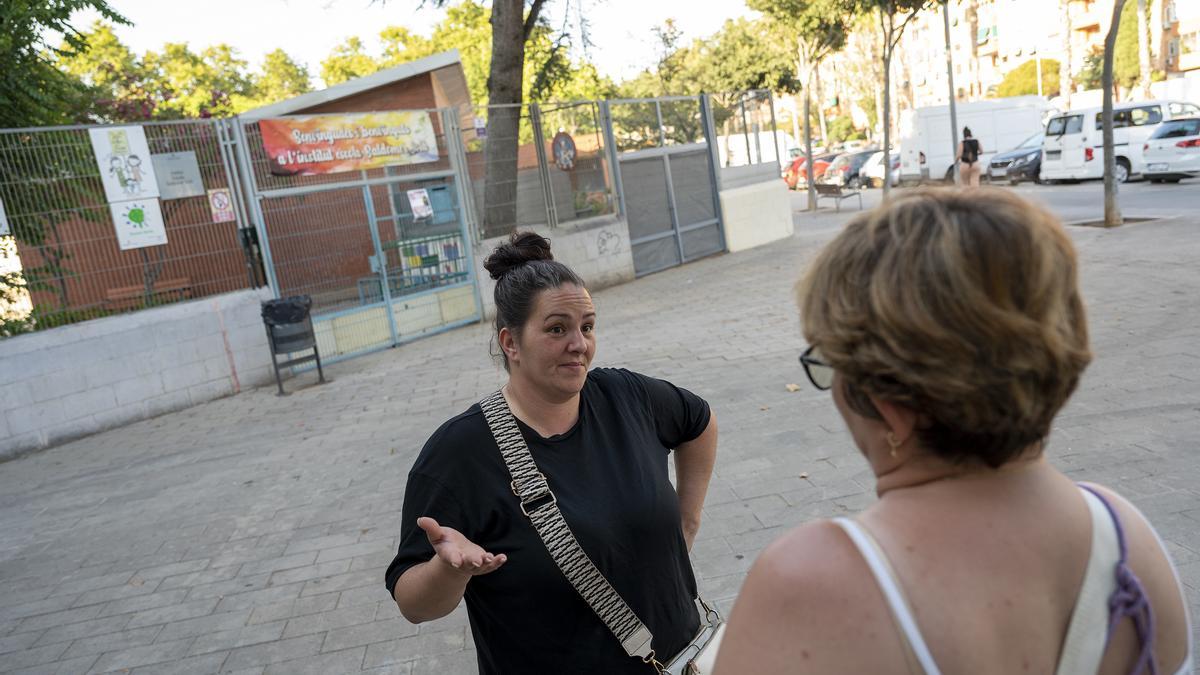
(597, 249)
(756, 214)
(79, 379)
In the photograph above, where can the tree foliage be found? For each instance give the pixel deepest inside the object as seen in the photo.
(549, 72)
(175, 82)
(1022, 80)
(1126, 64)
(32, 90)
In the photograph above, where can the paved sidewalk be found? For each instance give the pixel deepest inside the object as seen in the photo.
(249, 535)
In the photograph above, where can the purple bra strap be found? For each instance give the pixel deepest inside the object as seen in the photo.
(1129, 599)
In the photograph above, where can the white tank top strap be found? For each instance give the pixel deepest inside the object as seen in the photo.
(1087, 633)
(886, 578)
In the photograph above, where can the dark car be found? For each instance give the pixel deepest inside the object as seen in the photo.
(846, 169)
(1023, 162)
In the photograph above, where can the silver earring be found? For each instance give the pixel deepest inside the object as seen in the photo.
(894, 443)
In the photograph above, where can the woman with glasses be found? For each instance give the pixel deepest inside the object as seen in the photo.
(949, 329)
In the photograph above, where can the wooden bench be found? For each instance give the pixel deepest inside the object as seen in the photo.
(166, 290)
(836, 193)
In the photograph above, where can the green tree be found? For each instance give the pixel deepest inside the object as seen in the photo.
(893, 16)
(1126, 64)
(1091, 76)
(819, 28)
(279, 78)
(348, 61)
(32, 90)
(118, 87)
(1022, 80)
(192, 84)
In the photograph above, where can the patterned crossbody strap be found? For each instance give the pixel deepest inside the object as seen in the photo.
(540, 505)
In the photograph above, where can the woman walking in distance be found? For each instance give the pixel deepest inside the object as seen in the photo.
(598, 443)
(969, 151)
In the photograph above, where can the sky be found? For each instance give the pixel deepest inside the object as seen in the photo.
(310, 29)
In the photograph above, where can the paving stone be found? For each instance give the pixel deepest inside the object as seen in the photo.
(403, 649)
(192, 665)
(237, 637)
(112, 641)
(326, 621)
(76, 666)
(274, 652)
(345, 661)
(379, 631)
(204, 624)
(174, 613)
(83, 629)
(293, 608)
(146, 655)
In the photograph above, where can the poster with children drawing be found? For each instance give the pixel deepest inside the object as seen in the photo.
(124, 160)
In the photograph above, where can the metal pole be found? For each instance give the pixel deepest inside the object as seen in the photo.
(614, 158)
(255, 202)
(714, 161)
(462, 178)
(745, 131)
(384, 285)
(774, 133)
(539, 144)
(953, 102)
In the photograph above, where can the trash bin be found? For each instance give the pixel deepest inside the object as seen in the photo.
(290, 330)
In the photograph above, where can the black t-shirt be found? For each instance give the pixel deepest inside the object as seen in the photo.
(609, 474)
(970, 152)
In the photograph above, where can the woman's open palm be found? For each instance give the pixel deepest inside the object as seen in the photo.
(457, 551)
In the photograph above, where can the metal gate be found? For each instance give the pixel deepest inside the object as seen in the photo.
(666, 178)
(382, 268)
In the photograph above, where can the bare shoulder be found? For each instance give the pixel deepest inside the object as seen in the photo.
(1149, 561)
(809, 604)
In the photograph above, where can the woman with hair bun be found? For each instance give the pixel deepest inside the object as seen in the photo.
(949, 330)
(598, 441)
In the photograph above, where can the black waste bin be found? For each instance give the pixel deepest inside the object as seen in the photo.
(290, 330)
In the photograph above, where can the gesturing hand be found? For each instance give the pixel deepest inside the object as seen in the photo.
(460, 553)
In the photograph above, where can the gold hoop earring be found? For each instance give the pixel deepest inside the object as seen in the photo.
(894, 443)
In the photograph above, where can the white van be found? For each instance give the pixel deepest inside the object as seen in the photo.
(1074, 145)
(998, 124)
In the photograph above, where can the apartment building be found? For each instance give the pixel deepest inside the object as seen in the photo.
(989, 38)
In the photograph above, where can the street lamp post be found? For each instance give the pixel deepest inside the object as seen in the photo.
(1037, 57)
(950, 79)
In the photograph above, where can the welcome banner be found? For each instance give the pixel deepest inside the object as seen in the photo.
(318, 144)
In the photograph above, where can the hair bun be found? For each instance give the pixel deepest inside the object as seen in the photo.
(521, 249)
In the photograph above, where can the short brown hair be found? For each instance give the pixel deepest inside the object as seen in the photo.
(963, 306)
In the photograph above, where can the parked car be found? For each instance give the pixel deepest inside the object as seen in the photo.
(873, 169)
(846, 170)
(1172, 153)
(1073, 149)
(796, 175)
(1021, 163)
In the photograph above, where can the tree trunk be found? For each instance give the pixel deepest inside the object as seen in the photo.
(809, 175)
(821, 107)
(1065, 85)
(1112, 210)
(503, 123)
(1143, 26)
